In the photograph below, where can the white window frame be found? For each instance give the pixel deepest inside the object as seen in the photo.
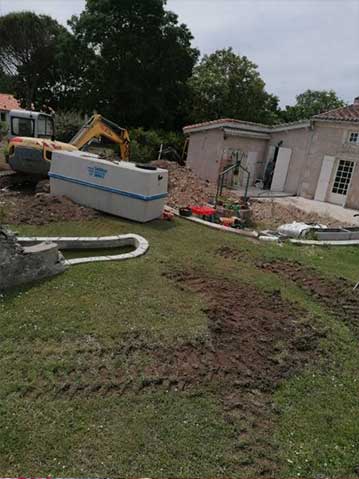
(343, 176)
(353, 134)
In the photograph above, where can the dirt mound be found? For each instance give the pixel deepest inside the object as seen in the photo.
(271, 214)
(335, 294)
(184, 187)
(41, 209)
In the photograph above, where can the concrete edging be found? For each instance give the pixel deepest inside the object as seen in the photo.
(227, 229)
(96, 242)
(325, 242)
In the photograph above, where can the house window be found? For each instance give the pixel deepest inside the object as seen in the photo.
(2, 116)
(343, 177)
(354, 137)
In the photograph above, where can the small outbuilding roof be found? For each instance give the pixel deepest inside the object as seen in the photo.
(8, 102)
(231, 123)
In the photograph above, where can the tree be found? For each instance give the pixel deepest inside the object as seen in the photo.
(46, 66)
(228, 85)
(144, 59)
(27, 45)
(310, 103)
(6, 83)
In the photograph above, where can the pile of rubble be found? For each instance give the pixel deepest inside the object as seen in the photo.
(184, 187)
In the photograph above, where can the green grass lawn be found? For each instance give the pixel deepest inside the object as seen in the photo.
(65, 342)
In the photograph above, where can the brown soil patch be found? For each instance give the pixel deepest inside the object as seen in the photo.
(335, 294)
(41, 209)
(23, 202)
(256, 338)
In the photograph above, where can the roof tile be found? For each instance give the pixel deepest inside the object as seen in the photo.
(8, 102)
(346, 113)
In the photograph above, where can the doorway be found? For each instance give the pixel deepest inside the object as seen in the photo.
(341, 182)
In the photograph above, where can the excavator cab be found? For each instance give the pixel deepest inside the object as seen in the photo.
(31, 124)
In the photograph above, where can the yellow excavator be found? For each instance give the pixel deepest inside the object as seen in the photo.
(32, 140)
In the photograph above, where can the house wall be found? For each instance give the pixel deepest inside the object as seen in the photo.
(297, 140)
(330, 139)
(205, 153)
(256, 146)
(353, 193)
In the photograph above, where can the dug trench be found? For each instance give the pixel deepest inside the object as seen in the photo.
(255, 341)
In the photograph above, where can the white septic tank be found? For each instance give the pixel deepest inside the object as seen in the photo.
(119, 188)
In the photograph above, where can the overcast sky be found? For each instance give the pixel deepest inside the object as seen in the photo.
(297, 44)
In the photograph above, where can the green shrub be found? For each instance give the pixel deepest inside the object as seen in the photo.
(145, 144)
(3, 129)
(68, 124)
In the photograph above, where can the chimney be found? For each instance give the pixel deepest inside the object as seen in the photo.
(356, 101)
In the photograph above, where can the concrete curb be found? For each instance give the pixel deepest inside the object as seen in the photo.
(325, 243)
(278, 239)
(96, 242)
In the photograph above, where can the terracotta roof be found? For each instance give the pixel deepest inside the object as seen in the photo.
(8, 102)
(346, 113)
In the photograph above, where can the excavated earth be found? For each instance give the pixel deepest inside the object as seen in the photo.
(23, 203)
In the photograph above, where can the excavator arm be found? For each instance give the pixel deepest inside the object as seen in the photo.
(97, 127)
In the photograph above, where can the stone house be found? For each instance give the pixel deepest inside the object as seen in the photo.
(316, 159)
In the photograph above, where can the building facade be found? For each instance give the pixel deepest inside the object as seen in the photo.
(316, 159)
